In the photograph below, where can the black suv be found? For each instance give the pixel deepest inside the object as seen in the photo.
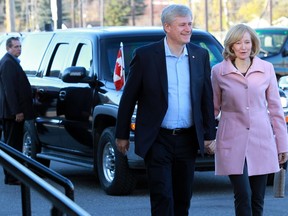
(76, 104)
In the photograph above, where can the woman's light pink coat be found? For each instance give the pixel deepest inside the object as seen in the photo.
(249, 106)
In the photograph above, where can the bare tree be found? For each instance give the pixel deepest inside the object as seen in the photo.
(10, 15)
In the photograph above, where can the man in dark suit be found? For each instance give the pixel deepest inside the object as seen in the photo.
(170, 82)
(15, 99)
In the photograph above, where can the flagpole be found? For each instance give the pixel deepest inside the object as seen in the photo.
(119, 70)
(123, 62)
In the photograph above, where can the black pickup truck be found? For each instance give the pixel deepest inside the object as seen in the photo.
(76, 104)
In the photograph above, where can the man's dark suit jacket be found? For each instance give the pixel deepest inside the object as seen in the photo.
(15, 90)
(147, 85)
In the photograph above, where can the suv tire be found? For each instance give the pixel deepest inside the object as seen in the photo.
(30, 145)
(113, 172)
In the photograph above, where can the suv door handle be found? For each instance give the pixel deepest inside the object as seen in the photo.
(62, 95)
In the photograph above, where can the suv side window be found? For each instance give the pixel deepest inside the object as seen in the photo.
(83, 56)
(214, 52)
(33, 49)
(128, 49)
(57, 63)
(271, 43)
(108, 60)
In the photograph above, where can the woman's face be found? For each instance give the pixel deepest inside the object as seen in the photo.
(242, 48)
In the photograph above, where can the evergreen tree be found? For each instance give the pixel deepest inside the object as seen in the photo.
(117, 13)
(44, 14)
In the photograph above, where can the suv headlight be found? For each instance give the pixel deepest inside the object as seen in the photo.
(133, 120)
(133, 123)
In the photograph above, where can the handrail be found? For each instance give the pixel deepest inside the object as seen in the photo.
(29, 180)
(40, 168)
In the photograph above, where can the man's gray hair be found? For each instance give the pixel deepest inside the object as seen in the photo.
(170, 12)
(9, 41)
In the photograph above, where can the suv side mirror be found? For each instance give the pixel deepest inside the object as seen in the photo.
(75, 74)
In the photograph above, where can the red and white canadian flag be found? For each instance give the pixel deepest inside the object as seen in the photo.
(119, 70)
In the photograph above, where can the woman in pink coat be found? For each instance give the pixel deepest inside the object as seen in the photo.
(246, 97)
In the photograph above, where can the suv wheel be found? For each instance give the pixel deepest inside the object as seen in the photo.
(27, 144)
(30, 145)
(114, 174)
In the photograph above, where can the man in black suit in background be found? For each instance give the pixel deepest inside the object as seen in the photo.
(170, 82)
(15, 99)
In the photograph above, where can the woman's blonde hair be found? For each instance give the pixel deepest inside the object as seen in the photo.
(235, 34)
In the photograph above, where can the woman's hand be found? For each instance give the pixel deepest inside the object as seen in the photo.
(282, 157)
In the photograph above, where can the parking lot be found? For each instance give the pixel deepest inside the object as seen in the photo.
(212, 196)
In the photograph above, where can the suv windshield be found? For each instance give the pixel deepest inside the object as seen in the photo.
(130, 44)
(272, 41)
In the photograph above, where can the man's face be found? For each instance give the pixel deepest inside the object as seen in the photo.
(15, 49)
(179, 30)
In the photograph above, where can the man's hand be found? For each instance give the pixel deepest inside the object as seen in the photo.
(282, 157)
(19, 117)
(122, 145)
(210, 146)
